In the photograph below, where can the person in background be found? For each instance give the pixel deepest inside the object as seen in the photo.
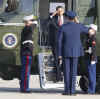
(91, 59)
(56, 20)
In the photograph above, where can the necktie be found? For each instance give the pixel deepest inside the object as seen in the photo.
(60, 21)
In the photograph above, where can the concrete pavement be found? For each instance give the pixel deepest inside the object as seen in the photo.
(10, 90)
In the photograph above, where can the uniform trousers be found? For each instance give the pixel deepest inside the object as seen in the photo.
(26, 61)
(70, 73)
(91, 76)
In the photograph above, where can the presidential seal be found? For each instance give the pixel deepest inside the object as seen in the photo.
(9, 40)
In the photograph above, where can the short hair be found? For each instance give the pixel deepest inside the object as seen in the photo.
(59, 7)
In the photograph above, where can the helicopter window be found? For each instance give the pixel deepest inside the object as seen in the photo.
(56, 0)
(86, 11)
(11, 5)
(1, 3)
(14, 10)
(26, 6)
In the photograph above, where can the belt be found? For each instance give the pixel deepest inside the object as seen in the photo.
(27, 41)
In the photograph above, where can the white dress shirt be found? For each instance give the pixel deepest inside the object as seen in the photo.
(62, 19)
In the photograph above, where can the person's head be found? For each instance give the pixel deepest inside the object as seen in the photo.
(28, 23)
(60, 10)
(93, 27)
(70, 15)
(28, 20)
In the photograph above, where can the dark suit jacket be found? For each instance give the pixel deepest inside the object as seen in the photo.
(26, 34)
(53, 28)
(68, 40)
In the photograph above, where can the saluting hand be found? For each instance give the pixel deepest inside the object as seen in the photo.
(76, 20)
(55, 13)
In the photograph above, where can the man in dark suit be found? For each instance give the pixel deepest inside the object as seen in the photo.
(55, 21)
(70, 48)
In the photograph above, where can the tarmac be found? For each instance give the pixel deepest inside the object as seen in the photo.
(10, 90)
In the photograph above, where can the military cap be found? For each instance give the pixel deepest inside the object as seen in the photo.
(28, 18)
(93, 26)
(70, 14)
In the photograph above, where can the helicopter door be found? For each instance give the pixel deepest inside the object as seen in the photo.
(86, 10)
(46, 7)
(47, 69)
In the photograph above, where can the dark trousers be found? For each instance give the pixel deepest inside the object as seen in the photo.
(70, 73)
(91, 76)
(54, 52)
(59, 67)
(26, 61)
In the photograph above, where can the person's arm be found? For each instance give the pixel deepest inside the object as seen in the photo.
(84, 29)
(51, 17)
(55, 13)
(76, 20)
(59, 42)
